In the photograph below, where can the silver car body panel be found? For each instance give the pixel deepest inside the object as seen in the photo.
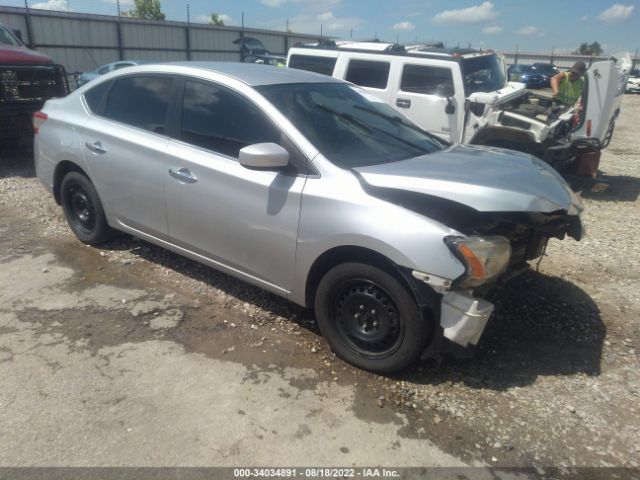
(270, 227)
(518, 185)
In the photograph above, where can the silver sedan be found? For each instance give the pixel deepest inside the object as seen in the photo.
(309, 188)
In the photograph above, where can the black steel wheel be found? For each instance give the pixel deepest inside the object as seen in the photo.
(366, 317)
(369, 318)
(83, 210)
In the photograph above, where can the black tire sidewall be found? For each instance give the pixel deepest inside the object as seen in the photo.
(416, 328)
(101, 231)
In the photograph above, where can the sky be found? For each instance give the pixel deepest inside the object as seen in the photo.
(528, 25)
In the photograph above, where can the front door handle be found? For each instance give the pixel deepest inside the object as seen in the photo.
(183, 174)
(95, 147)
(403, 103)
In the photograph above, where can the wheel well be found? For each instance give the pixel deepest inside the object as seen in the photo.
(338, 255)
(62, 169)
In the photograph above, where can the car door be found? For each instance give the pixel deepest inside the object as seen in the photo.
(605, 85)
(420, 96)
(235, 218)
(123, 145)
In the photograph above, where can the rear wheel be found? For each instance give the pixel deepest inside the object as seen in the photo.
(369, 318)
(83, 210)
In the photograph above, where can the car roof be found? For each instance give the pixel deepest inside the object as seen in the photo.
(256, 74)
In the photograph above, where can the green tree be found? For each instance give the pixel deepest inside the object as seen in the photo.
(216, 20)
(147, 9)
(591, 49)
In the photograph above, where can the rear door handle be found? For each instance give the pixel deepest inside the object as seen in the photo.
(183, 174)
(403, 103)
(95, 147)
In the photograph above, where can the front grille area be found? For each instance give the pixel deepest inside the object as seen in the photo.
(28, 84)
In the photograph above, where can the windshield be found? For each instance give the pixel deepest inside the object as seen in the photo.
(482, 74)
(348, 129)
(6, 38)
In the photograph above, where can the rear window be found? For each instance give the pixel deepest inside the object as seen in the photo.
(140, 101)
(323, 65)
(368, 74)
(422, 79)
(95, 96)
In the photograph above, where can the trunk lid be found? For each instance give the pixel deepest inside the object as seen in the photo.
(484, 178)
(605, 86)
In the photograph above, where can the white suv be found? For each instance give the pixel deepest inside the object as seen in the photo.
(463, 95)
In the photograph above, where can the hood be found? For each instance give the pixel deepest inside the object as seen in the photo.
(486, 179)
(13, 55)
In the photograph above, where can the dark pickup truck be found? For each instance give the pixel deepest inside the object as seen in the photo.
(27, 79)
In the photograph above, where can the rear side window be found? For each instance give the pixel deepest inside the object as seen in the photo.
(220, 120)
(423, 79)
(141, 102)
(323, 65)
(95, 96)
(368, 74)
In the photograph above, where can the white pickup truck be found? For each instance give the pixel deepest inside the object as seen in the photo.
(464, 96)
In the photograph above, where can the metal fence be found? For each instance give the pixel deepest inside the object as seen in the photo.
(83, 42)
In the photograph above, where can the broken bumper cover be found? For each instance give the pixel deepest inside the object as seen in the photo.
(463, 317)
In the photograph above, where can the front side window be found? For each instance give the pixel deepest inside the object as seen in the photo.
(368, 74)
(323, 65)
(141, 102)
(220, 120)
(423, 79)
(348, 129)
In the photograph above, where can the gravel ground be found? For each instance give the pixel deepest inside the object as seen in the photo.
(553, 382)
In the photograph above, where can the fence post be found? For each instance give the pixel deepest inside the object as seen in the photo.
(119, 37)
(187, 32)
(27, 19)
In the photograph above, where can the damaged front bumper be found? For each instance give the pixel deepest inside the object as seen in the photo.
(463, 317)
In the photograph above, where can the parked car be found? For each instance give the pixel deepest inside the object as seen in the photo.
(633, 82)
(254, 51)
(464, 96)
(546, 69)
(307, 187)
(86, 77)
(525, 74)
(27, 79)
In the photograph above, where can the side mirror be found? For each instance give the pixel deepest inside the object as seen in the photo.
(445, 91)
(264, 156)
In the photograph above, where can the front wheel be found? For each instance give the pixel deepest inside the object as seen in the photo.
(369, 318)
(83, 210)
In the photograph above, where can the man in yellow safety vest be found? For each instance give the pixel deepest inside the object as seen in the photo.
(567, 86)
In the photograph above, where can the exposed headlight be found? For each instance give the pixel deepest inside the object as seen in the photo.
(483, 257)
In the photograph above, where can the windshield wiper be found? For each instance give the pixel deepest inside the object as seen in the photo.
(368, 128)
(344, 116)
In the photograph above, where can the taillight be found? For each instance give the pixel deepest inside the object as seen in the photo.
(38, 119)
(588, 128)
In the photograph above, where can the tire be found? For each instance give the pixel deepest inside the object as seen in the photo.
(370, 319)
(83, 210)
